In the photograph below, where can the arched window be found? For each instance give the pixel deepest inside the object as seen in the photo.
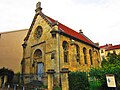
(37, 54)
(65, 45)
(65, 51)
(96, 55)
(90, 53)
(85, 56)
(77, 53)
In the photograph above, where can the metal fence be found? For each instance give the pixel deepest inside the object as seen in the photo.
(37, 81)
(28, 81)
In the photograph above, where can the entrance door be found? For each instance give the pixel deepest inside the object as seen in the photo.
(40, 70)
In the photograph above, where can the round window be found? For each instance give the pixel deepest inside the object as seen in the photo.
(38, 32)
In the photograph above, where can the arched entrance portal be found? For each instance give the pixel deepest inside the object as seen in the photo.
(38, 61)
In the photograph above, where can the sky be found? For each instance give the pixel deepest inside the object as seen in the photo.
(98, 19)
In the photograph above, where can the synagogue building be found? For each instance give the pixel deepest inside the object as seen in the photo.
(50, 45)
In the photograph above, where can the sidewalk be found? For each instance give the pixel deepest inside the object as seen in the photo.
(9, 89)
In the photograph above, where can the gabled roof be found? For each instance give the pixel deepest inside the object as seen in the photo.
(62, 28)
(73, 33)
(113, 47)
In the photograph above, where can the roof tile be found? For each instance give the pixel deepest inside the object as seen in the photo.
(113, 47)
(73, 33)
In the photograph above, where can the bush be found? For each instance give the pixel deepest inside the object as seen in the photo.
(95, 84)
(57, 88)
(78, 81)
(8, 73)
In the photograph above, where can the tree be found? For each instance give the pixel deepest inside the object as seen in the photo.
(5, 72)
(110, 65)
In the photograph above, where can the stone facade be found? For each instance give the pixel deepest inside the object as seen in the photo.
(72, 64)
(47, 46)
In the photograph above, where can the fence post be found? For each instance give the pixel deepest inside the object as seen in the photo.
(15, 87)
(8, 87)
(64, 78)
(23, 88)
(50, 73)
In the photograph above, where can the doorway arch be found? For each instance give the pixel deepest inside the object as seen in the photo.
(38, 63)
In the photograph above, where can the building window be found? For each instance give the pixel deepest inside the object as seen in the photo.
(103, 57)
(114, 52)
(65, 51)
(37, 54)
(90, 53)
(77, 53)
(102, 51)
(53, 55)
(108, 53)
(65, 56)
(85, 56)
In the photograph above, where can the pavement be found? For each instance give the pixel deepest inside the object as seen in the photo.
(9, 89)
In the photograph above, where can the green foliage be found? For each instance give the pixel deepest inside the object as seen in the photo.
(112, 58)
(95, 85)
(78, 81)
(104, 63)
(111, 65)
(57, 88)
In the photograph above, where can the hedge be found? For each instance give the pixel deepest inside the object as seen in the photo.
(78, 81)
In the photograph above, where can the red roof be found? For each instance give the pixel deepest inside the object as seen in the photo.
(106, 46)
(113, 47)
(63, 29)
(71, 32)
(103, 46)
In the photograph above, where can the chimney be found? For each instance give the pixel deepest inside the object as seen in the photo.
(38, 8)
(97, 44)
(109, 45)
(80, 31)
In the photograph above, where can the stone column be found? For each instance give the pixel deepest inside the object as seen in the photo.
(73, 55)
(50, 73)
(81, 58)
(64, 78)
(88, 59)
(23, 66)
